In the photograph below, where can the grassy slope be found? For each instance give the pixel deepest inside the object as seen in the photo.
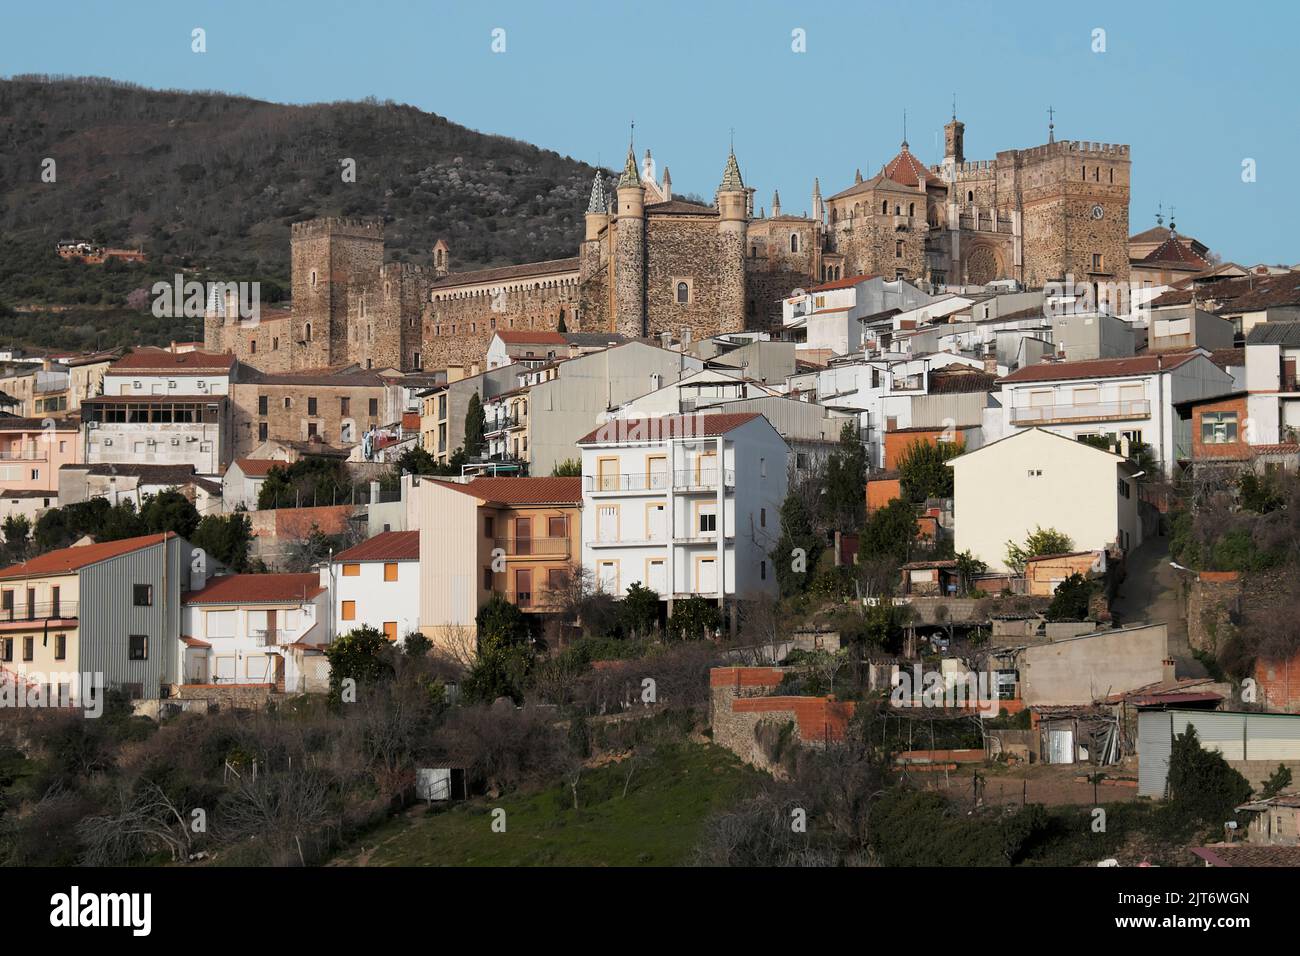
(657, 824)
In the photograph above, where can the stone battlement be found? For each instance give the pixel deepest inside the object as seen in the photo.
(360, 228)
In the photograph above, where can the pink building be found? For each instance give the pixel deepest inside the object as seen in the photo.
(32, 450)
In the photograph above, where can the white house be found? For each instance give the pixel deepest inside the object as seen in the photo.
(161, 372)
(255, 629)
(684, 504)
(377, 584)
(694, 393)
(1130, 398)
(1036, 478)
(1272, 350)
(829, 316)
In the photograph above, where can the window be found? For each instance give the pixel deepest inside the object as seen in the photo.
(523, 587)
(261, 431)
(1218, 428)
(138, 647)
(708, 522)
(262, 403)
(6, 649)
(762, 517)
(351, 570)
(345, 405)
(60, 647)
(556, 579)
(487, 579)
(683, 293)
(794, 242)
(311, 405)
(390, 570)
(143, 595)
(349, 611)
(898, 248)
(252, 346)
(489, 526)
(288, 402)
(555, 527)
(311, 429)
(29, 648)
(390, 630)
(762, 570)
(1098, 262)
(374, 406)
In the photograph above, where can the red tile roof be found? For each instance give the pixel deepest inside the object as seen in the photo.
(522, 491)
(257, 589)
(531, 337)
(194, 641)
(845, 283)
(1098, 368)
(174, 363)
(906, 170)
(1173, 251)
(708, 425)
(67, 560)
(259, 467)
(387, 546)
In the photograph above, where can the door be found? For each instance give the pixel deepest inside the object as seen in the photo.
(524, 587)
(707, 573)
(657, 529)
(607, 523)
(1060, 746)
(225, 669)
(607, 576)
(706, 469)
(658, 579)
(659, 472)
(523, 536)
(607, 474)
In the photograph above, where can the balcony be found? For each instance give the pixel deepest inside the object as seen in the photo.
(24, 454)
(12, 618)
(265, 637)
(1094, 412)
(706, 479)
(549, 546)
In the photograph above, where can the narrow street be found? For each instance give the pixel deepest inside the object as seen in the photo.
(1151, 593)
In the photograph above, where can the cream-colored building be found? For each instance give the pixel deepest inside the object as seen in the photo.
(1035, 478)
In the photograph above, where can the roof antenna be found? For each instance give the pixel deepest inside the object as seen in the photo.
(904, 129)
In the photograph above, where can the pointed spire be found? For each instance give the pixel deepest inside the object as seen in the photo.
(598, 201)
(1051, 125)
(903, 145)
(954, 107)
(631, 176)
(857, 176)
(731, 179)
(817, 199)
(776, 203)
(668, 184)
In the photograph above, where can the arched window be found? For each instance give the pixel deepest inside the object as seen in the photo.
(911, 209)
(794, 242)
(307, 333)
(884, 208)
(683, 293)
(970, 195)
(898, 209)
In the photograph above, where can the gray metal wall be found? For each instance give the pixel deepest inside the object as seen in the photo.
(109, 616)
(1239, 737)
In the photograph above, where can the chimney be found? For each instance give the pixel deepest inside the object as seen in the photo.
(991, 364)
(1167, 676)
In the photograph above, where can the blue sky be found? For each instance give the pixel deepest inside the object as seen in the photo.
(1194, 89)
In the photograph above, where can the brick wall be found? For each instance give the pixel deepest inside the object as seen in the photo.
(740, 702)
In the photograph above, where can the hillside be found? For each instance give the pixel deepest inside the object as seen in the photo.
(211, 180)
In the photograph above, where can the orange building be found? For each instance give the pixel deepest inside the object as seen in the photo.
(900, 439)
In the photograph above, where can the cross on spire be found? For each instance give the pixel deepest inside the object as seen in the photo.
(1051, 125)
(904, 129)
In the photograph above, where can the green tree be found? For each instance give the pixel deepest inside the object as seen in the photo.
(360, 655)
(692, 616)
(797, 551)
(502, 621)
(18, 533)
(923, 470)
(500, 670)
(968, 567)
(1201, 784)
(307, 482)
(846, 480)
(169, 510)
(1040, 541)
(1279, 781)
(226, 538)
(569, 468)
(890, 532)
(475, 426)
(1072, 599)
(639, 610)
